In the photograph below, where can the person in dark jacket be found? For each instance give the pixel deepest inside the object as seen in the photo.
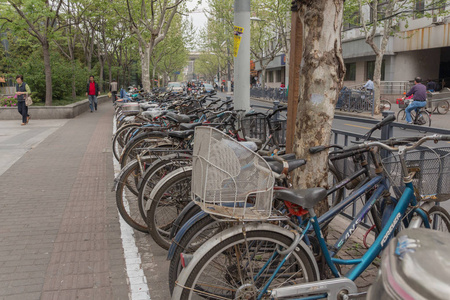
(92, 91)
(419, 92)
(22, 90)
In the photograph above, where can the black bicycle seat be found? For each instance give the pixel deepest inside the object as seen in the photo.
(181, 134)
(189, 126)
(306, 198)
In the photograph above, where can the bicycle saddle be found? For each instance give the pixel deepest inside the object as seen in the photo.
(181, 134)
(189, 126)
(178, 118)
(278, 167)
(306, 198)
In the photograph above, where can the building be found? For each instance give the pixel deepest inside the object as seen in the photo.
(420, 48)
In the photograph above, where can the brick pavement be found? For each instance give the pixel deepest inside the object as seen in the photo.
(59, 229)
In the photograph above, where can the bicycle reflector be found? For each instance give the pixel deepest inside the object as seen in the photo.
(185, 259)
(295, 209)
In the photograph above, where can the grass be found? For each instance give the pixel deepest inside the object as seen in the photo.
(62, 102)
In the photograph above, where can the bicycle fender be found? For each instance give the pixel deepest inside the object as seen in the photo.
(198, 217)
(180, 217)
(206, 247)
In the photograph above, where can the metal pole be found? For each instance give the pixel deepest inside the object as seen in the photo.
(242, 61)
(228, 87)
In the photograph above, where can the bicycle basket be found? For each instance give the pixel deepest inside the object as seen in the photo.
(228, 179)
(254, 126)
(432, 172)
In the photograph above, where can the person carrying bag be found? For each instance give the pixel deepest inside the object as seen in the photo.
(23, 99)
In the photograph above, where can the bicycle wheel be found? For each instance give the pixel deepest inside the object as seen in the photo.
(186, 214)
(192, 239)
(443, 107)
(333, 179)
(155, 173)
(401, 115)
(385, 105)
(167, 200)
(231, 268)
(126, 195)
(120, 139)
(440, 218)
(143, 141)
(423, 119)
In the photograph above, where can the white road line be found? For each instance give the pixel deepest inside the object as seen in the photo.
(136, 278)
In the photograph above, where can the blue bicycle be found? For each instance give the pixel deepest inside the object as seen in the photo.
(261, 260)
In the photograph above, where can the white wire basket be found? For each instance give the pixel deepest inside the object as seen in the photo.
(228, 179)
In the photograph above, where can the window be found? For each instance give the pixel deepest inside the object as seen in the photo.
(353, 21)
(419, 8)
(278, 76)
(350, 73)
(371, 69)
(270, 76)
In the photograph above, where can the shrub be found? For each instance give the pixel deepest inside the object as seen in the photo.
(8, 101)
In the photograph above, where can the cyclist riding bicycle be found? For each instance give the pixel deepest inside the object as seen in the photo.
(419, 92)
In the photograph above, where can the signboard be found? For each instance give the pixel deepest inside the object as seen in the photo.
(283, 59)
(238, 32)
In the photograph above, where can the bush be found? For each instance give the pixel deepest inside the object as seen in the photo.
(8, 101)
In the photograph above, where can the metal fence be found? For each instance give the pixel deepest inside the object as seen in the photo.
(279, 94)
(353, 100)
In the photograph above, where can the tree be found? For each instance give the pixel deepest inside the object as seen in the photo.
(149, 21)
(268, 36)
(41, 19)
(321, 76)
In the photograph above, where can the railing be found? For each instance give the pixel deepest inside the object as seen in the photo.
(278, 94)
(395, 87)
(352, 100)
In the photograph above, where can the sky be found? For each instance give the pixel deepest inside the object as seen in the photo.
(198, 19)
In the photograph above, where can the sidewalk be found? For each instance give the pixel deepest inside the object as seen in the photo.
(60, 233)
(59, 229)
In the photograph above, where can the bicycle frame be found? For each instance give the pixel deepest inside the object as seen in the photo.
(381, 241)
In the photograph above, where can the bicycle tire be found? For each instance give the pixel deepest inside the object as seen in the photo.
(187, 245)
(299, 261)
(401, 115)
(166, 204)
(143, 140)
(187, 213)
(119, 139)
(339, 194)
(132, 215)
(443, 107)
(426, 119)
(385, 105)
(438, 212)
(155, 173)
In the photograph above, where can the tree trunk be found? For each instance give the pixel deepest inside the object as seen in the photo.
(262, 80)
(377, 82)
(48, 74)
(145, 61)
(321, 75)
(74, 85)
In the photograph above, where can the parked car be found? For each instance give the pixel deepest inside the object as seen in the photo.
(208, 88)
(175, 87)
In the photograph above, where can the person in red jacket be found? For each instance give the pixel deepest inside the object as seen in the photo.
(92, 91)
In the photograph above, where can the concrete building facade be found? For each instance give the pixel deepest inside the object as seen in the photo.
(421, 47)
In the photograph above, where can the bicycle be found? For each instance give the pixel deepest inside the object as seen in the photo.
(421, 116)
(265, 261)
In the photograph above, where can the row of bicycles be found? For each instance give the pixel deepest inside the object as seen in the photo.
(212, 186)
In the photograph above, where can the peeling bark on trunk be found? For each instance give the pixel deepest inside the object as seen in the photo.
(321, 75)
(48, 74)
(145, 67)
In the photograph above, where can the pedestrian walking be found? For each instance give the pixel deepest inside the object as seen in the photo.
(22, 91)
(92, 91)
(113, 86)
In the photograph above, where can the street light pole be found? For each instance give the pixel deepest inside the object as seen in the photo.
(242, 61)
